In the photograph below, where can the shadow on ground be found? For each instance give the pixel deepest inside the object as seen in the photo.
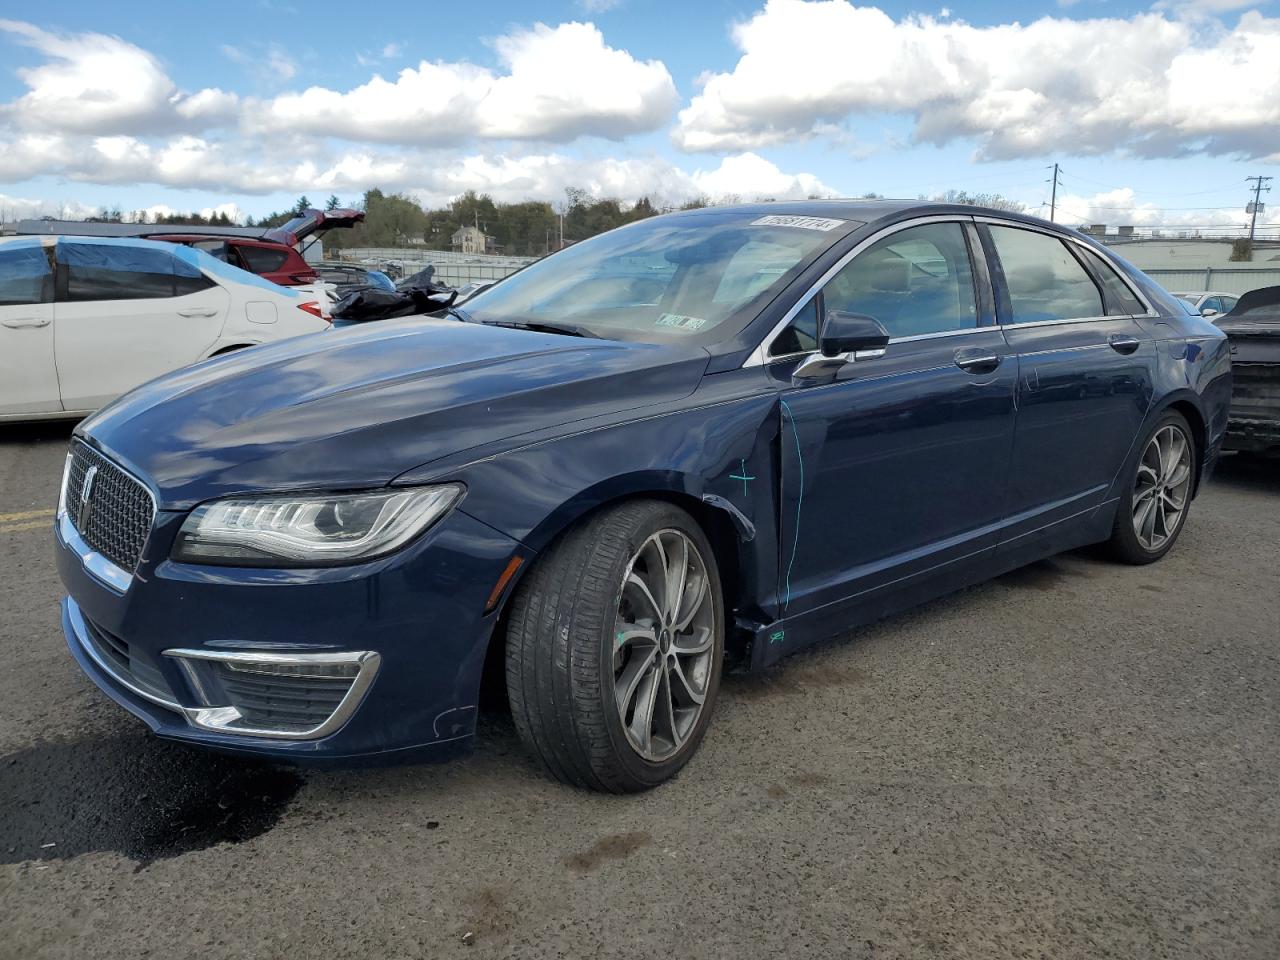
(134, 795)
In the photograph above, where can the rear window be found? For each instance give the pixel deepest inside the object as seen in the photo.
(107, 271)
(25, 276)
(262, 259)
(1120, 299)
(1044, 280)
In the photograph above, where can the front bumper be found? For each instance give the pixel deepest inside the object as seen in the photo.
(412, 626)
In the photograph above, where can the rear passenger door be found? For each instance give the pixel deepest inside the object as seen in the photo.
(1085, 372)
(125, 313)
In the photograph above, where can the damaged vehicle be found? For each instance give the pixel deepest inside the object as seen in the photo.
(719, 435)
(1253, 327)
(277, 255)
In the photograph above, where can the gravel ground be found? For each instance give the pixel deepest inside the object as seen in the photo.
(1076, 760)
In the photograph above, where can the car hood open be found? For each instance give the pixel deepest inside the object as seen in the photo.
(352, 409)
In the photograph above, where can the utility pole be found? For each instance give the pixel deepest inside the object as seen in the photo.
(1258, 190)
(1053, 197)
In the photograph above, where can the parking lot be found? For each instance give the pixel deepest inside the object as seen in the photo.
(1077, 760)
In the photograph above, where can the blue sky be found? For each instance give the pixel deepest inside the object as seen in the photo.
(1156, 114)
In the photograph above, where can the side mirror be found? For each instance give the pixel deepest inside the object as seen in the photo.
(845, 337)
(1210, 312)
(851, 332)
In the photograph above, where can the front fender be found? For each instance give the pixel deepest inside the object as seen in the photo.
(719, 460)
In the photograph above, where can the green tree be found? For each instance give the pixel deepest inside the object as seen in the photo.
(333, 203)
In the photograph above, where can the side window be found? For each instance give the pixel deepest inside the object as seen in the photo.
(915, 281)
(1229, 304)
(25, 276)
(1045, 282)
(99, 271)
(1211, 303)
(261, 259)
(1120, 298)
(801, 335)
(187, 277)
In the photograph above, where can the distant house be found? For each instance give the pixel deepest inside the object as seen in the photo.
(471, 240)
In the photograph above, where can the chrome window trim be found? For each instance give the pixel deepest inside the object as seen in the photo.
(82, 632)
(759, 357)
(1036, 228)
(221, 719)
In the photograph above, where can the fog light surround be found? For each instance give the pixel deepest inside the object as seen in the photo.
(285, 696)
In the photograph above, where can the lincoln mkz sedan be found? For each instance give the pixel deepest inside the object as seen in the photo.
(714, 436)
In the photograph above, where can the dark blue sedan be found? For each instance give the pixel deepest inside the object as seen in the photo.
(722, 434)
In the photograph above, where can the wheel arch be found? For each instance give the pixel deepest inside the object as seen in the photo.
(1187, 404)
(722, 528)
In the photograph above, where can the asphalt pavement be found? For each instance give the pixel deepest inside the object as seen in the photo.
(1077, 760)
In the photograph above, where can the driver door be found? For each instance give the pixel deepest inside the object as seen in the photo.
(896, 470)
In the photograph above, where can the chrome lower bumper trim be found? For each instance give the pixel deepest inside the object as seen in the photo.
(222, 718)
(84, 638)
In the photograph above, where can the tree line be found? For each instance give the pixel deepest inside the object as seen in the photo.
(528, 228)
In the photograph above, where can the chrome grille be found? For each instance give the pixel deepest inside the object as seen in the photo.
(117, 518)
(282, 703)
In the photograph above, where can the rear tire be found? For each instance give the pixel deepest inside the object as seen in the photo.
(614, 648)
(1157, 493)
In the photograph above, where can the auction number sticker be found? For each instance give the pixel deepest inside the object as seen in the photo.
(802, 223)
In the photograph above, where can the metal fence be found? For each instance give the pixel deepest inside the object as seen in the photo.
(1221, 279)
(452, 267)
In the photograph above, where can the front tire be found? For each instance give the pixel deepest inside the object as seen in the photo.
(1157, 494)
(615, 642)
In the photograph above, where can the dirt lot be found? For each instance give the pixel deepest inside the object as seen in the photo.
(1076, 760)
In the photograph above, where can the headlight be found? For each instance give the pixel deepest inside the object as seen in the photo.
(311, 531)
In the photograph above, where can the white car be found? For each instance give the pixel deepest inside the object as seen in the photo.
(84, 319)
(1210, 303)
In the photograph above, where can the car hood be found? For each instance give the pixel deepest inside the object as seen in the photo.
(351, 409)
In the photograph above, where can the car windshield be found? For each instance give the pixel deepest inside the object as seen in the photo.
(691, 278)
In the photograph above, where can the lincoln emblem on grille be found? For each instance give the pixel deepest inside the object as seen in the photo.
(86, 492)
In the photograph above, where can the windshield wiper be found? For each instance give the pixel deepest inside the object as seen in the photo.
(567, 329)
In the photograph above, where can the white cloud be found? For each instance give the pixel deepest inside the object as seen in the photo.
(1148, 84)
(13, 209)
(391, 51)
(598, 6)
(1122, 207)
(559, 83)
(94, 83)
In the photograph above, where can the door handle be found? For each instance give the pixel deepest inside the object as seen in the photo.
(977, 361)
(27, 323)
(197, 312)
(1123, 344)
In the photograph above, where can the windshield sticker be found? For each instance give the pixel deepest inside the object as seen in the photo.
(681, 322)
(803, 223)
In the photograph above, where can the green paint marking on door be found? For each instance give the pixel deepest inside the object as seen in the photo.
(742, 475)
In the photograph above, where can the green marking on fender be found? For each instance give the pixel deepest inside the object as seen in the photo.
(777, 637)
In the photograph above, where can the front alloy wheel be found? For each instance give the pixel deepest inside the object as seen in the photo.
(614, 647)
(664, 638)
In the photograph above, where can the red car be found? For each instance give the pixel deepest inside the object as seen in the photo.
(274, 256)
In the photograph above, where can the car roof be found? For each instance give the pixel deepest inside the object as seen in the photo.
(868, 211)
(206, 238)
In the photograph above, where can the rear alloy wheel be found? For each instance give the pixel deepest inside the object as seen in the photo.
(614, 648)
(1150, 517)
